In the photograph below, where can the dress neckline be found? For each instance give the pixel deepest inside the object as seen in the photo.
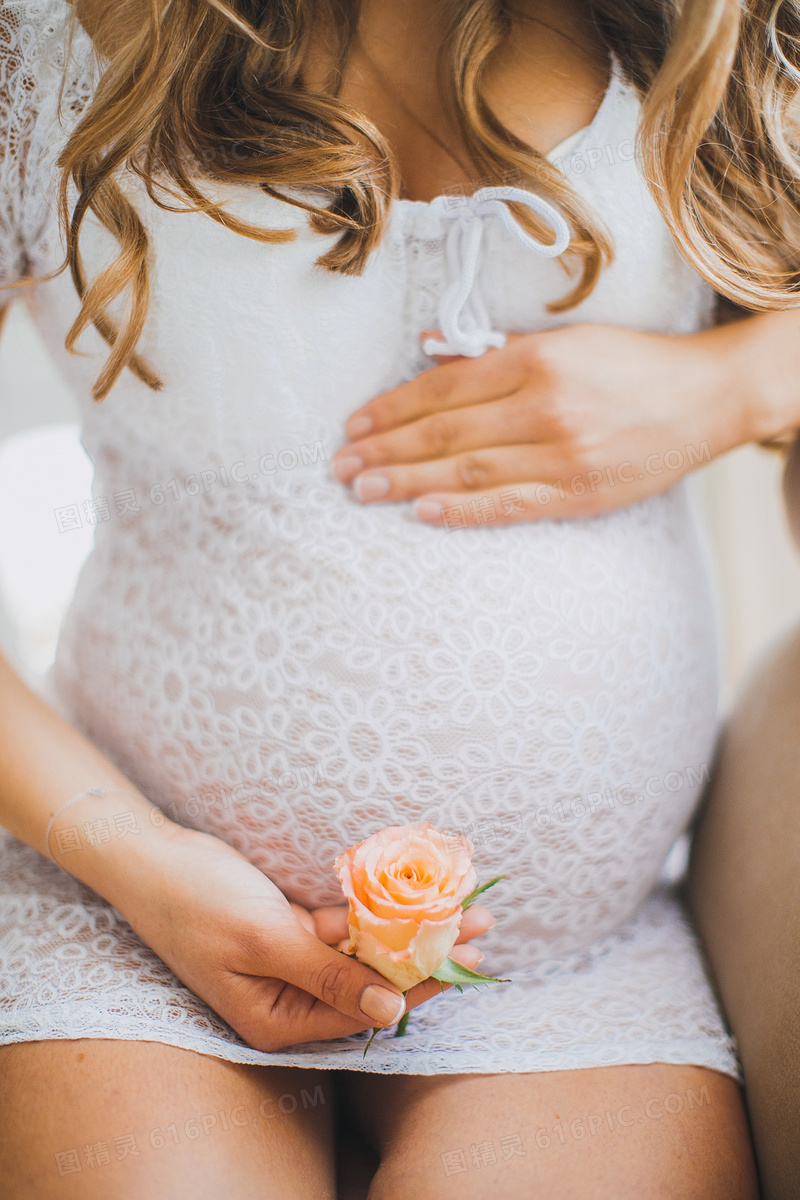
(412, 210)
(573, 142)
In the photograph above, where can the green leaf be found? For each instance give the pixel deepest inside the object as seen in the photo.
(483, 887)
(453, 972)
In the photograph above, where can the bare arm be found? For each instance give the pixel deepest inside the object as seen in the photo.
(215, 919)
(44, 762)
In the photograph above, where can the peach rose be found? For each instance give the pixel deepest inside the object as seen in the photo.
(405, 885)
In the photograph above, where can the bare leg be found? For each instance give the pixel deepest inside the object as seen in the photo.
(744, 890)
(612, 1133)
(91, 1119)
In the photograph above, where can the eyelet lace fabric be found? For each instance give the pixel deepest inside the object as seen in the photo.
(276, 664)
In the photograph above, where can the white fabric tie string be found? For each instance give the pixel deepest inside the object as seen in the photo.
(463, 318)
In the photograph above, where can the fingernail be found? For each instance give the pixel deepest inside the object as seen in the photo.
(358, 427)
(492, 921)
(346, 467)
(382, 1006)
(371, 487)
(428, 510)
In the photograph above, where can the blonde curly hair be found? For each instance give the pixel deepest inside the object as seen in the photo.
(214, 89)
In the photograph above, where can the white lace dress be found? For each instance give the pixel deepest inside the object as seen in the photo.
(275, 663)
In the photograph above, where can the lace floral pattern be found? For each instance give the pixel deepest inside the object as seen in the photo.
(111, 985)
(276, 664)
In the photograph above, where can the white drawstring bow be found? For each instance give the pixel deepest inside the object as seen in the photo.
(463, 318)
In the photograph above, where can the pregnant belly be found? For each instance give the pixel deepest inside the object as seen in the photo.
(547, 689)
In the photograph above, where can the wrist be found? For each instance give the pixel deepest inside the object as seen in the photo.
(760, 357)
(114, 842)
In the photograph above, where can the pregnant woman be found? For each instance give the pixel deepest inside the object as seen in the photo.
(367, 300)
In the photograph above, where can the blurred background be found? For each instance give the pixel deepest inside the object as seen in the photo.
(44, 471)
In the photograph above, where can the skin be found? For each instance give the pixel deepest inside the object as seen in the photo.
(744, 890)
(63, 1095)
(560, 416)
(578, 419)
(266, 964)
(639, 394)
(697, 1152)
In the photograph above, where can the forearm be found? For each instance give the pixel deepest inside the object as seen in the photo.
(44, 762)
(760, 358)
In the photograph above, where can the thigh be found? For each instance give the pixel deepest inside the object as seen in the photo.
(98, 1118)
(612, 1133)
(744, 889)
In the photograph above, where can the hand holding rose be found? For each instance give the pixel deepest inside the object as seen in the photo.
(268, 967)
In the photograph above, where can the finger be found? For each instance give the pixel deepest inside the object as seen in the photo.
(331, 923)
(471, 471)
(528, 502)
(468, 956)
(294, 955)
(271, 1014)
(304, 916)
(280, 1014)
(452, 384)
(510, 421)
(475, 921)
